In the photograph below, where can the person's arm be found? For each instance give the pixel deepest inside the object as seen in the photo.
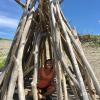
(47, 77)
(50, 90)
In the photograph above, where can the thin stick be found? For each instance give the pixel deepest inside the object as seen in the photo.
(20, 3)
(74, 89)
(64, 87)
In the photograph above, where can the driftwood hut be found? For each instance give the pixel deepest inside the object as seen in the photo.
(43, 32)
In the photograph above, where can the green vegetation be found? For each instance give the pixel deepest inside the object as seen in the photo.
(93, 40)
(5, 39)
(3, 51)
(2, 61)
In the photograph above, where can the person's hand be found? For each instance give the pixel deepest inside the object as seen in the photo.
(41, 96)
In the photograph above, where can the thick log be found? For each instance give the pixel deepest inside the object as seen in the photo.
(19, 57)
(86, 63)
(82, 56)
(59, 80)
(47, 49)
(12, 82)
(64, 87)
(89, 83)
(74, 90)
(87, 79)
(14, 50)
(55, 43)
(57, 70)
(19, 72)
(36, 65)
(65, 65)
(83, 90)
(42, 53)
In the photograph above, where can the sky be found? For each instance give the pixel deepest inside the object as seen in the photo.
(84, 15)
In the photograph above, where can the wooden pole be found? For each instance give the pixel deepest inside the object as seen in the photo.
(36, 65)
(86, 63)
(82, 56)
(36, 53)
(87, 78)
(64, 87)
(14, 50)
(19, 57)
(13, 80)
(55, 43)
(83, 90)
(47, 49)
(59, 80)
(72, 85)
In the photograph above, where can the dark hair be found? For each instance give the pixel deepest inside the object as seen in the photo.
(49, 60)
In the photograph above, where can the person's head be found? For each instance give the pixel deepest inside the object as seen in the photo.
(49, 64)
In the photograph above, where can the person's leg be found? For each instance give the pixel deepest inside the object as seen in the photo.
(41, 92)
(49, 91)
(48, 97)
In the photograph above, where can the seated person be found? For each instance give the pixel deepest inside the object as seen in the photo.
(46, 84)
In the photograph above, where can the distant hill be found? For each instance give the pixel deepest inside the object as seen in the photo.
(5, 39)
(5, 45)
(89, 38)
(93, 40)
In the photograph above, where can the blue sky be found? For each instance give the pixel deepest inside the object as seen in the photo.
(83, 14)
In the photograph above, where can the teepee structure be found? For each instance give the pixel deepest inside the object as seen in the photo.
(43, 33)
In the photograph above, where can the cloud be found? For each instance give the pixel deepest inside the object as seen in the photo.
(8, 22)
(99, 21)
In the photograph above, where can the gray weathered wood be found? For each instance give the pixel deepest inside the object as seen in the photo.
(83, 90)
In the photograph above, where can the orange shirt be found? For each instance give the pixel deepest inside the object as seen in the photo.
(45, 77)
